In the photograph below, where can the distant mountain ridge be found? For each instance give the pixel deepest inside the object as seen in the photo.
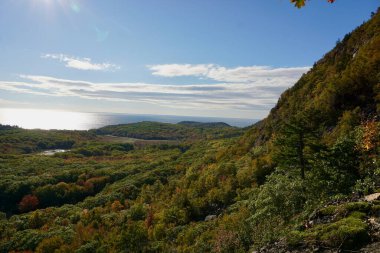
(204, 124)
(184, 130)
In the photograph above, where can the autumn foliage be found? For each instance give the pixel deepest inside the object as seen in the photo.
(28, 203)
(293, 181)
(370, 135)
(301, 3)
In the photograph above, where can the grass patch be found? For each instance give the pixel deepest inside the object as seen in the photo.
(346, 209)
(328, 211)
(357, 206)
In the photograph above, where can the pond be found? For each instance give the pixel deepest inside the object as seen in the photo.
(53, 151)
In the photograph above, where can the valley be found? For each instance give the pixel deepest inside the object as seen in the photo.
(304, 179)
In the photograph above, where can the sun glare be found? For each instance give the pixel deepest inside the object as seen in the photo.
(46, 119)
(50, 5)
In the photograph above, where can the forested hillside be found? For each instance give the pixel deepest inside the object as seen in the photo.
(341, 89)
(298, 181)
(186, 130)
(14, 140)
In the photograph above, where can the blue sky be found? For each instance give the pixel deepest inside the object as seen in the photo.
(218, 58)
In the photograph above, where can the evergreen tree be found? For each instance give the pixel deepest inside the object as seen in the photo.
(296, 142)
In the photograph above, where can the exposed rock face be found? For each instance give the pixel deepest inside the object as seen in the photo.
(372, 197)
(210, 217)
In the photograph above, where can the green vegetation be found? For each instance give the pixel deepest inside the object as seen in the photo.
(14, 140)
(186, 130)
(347, 233)
(293, 181)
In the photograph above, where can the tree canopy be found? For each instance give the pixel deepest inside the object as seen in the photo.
(301, 3)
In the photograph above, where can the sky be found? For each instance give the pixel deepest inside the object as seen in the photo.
(220, 58)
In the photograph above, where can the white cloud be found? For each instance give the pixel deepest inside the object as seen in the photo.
(240, 96)
(172, 70)
(261, 75)
(81, 63)
(243, 89)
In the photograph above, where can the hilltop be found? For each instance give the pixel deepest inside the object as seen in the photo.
(185, 130)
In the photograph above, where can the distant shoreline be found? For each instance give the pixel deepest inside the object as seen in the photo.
(65, 120)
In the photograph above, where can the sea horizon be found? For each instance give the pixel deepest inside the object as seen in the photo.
(71, 120)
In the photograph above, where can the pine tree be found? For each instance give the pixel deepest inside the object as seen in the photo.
(296, 142)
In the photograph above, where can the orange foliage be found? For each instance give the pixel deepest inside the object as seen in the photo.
(28, 203)
(149, 219)
(117, 206)
(370, 135)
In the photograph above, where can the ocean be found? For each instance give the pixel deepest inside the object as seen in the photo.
(50, 119)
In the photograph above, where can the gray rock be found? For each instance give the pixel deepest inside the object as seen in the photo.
(371, 248)
(210, 217)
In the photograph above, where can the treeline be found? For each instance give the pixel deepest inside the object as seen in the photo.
(14, 140)
(186, 130)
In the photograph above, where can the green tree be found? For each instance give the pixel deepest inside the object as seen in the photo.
(36, 220)
(49, 245)
(134, 238)
(342, 163)
(295, 143)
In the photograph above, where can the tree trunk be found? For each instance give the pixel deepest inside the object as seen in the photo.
(301, 155)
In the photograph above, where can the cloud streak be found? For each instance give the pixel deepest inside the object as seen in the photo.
(81, 63)
(261, 75)
(242, 88)
(214, 96)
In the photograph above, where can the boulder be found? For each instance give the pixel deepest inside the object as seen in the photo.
(372, 197)
(210, 217)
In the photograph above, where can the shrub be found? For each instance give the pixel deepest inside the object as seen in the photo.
(282, 195)
(137, 212)
(347, 233)
(49, 245)
(134, 238)
(28, 203)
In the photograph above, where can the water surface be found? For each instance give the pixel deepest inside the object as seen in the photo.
(50, 119)
(51, 152)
